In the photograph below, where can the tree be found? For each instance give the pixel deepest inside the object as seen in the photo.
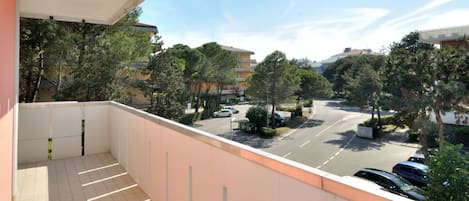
(102, 51)
(223, 63)
(276, 78)
(258, 116)
(166, 85)
(448, 175)
(420, 78)
(197, 70)
(38, 47)
(313, 85)
(346, 69)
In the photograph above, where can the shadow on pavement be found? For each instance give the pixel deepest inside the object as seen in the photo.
(362, 144)
(252, 140)
(339, 106)
(311, 123)
(357, 144)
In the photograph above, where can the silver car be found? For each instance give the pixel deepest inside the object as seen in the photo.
(223, 113)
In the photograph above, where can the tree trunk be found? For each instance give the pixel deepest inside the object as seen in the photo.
(440, 126)
(272, 117)
(197, 102)
(219, 92)
(423, 136)
(58, 88)
(380, 124)
(373, 115)
(39, 77)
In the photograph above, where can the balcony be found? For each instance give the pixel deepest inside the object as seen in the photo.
(109, 151)
(241, 70)
(240, 79)
(243, 60)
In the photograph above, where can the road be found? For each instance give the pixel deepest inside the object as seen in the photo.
(328, 142)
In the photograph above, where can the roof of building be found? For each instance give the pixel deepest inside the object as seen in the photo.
(236, 50)
(90, 11)
(444, 34)
(146, 27)
(348, 52)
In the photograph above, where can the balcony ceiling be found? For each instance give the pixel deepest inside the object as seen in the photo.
(92, 11)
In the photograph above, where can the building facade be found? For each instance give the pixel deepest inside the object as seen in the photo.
(243, 70)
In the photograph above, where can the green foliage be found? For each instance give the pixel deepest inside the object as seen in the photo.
(222, 63)
(286, 108)
(313, 85)
(413, 136)
(270, 132)
(257, 116)
(363, 88)
(420, 77)
(448, 174)
(344, 70)
(385, 120)
(189, 119)
(165, 85)
(308, 103)
(275, 79)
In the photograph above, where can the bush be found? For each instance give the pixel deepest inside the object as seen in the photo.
(457, 134)
(385, 120)
(448, 172)
(309, 103)
(286, 108)
(257, 116)
(268, 131)
(413, 136)
(189, 119)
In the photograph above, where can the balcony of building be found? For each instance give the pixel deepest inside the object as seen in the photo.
(109, 151)
(243, 70)
(245, 60)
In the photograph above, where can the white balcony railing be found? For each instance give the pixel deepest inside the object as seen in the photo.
(170, 161)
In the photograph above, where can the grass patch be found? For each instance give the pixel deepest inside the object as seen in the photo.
(293, 123)
(282, 130)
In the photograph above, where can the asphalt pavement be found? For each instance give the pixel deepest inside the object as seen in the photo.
(327, 141)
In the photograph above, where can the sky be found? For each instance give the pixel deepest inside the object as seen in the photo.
(313, 29)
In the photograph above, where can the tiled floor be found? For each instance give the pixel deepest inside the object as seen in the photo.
(88, 178)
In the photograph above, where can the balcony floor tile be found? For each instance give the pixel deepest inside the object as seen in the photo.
(88, 178)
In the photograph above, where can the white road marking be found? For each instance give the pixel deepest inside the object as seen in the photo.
(305, 143)
(300, 126)
(337, 153)
(324, 130)
(288, 154)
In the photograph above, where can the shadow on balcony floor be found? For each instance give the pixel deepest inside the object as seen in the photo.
(89, 178)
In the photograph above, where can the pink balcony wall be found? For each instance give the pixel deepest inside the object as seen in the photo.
(7, 94)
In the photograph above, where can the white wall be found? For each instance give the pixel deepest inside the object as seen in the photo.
(452, 118)
(173, 162)
(62, 122)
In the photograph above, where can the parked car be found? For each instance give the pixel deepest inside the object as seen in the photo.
(391, 182)
(279, 120)
(415, 173)
(223, 113)
(417, 158)
(233, 110)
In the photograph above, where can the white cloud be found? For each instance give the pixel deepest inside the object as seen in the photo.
(410, 17)
(317, 39)
(447, 19)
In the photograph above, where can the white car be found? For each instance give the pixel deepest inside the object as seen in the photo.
(233, 110)
(223, 113)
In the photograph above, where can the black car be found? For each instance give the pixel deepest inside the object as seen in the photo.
(392, 183)
(415, 173)
(279, 120)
